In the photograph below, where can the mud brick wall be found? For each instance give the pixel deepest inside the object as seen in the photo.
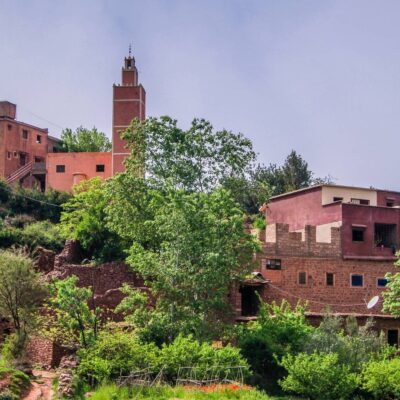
(44, 352)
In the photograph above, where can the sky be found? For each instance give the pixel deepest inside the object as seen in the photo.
(319, 77)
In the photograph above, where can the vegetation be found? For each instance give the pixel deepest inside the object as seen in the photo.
(18, 383)
(84, 140)
(391, 296)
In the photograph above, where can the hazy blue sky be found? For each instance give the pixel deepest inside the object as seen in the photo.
(321, 77)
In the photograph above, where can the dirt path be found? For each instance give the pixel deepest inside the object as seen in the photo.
(42, 389)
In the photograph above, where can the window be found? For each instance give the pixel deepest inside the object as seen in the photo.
(15, 154)
(100, 168)
(357, 280)
(24, 134)
(364, 202)
(9, 155)
(273, 264)
(338, 199)
(358, 234)
(302, 278)
(330, 279)
(389, 204)
(38, 139)
(9, 127)
(393, 337)
(60, 168)
(381, 282)
(385, 235)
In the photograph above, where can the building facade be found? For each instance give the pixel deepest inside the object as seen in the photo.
(29, 156)
(329, 246)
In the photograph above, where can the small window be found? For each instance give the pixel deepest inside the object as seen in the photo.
(273, 264)
(330, 279)
(364, 202)
(9, 127)
(60, 168)
(9, 155)
(302, 278)
(389, 204)
(38, 139)
(24, 134)
(15, 154)
(358, 234)
(357, 280)
(338, 199)
(100, 168)
(381, 282)
(393, 337)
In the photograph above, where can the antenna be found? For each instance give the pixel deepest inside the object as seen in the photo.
(130, 49)
(373, 302)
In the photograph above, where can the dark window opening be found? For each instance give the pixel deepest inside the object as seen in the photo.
(9, 155)
(38, 139)
(357, 280)
(381, 282)
(15, 154)
(100, 168)
(24, 134)
(274, 264)
(338, 199)
(329, 279)
(302, 278)
(250, 300)
(60, 168)
(364, 202)
(9, 127)
(23, 158)
(393, 337)
(389, 204)
(385, 236)
(358, 234)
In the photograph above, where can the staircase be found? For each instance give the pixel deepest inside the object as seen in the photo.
(20, 173)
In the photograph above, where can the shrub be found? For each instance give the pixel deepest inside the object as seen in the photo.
(382, 379)
(318, 376)
(19, 382)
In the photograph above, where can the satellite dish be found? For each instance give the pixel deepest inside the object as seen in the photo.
(373, 302)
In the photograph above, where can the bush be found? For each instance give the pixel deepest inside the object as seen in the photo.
(19, 382)
(318, 376)
(382, 379)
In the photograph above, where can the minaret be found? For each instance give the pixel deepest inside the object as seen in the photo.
(129, 100)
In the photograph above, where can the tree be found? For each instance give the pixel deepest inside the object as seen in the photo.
(196, 159)
(391, 295)
(21, 291)
(70, 303)
(84, 219)
(295, 172)
(82, 140)
(189, 247)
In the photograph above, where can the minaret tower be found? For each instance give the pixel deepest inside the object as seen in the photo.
(129, 101)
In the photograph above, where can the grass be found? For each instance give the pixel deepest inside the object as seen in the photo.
(112, 392)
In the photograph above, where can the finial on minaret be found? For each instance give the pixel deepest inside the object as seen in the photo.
(130, 49)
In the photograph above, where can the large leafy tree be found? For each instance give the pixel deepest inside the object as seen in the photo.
(189, 247)
(391, 295)
(84, 140)
(84, 219)
(196, 159)
(295, 172)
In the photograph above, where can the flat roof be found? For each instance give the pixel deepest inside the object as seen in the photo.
(25, 124)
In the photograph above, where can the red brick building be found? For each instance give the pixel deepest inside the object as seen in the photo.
(331, 246)
(28, 154)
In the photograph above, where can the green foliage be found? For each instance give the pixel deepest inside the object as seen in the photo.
(19, 382)
(318, 376)
(84, 219)
(70, 304)
(84, 140)
(382, 379)
(13, 348)
(187, 246)
(279, 330)
(295, 172)
(354, 345)
(391, 295)
(21, 291)
(114, 353)
(196, 159)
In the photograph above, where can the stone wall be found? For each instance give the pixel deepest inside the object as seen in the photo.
(45, 353)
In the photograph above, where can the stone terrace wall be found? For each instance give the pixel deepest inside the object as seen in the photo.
(279, 241)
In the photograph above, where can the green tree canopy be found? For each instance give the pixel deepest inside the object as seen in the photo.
(196, 159)
(189, 247)
(84, 140)
(391, 295)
